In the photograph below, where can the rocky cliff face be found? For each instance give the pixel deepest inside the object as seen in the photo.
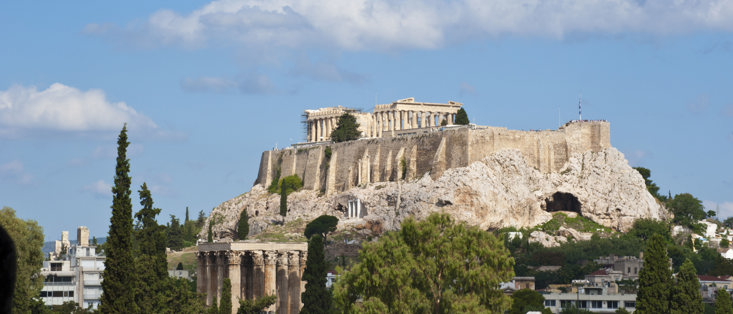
(500, 190)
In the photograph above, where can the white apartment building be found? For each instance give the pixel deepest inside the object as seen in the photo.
(73, 272)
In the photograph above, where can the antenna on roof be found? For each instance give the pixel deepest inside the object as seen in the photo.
(580, 111)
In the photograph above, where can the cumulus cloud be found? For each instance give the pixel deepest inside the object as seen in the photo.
(99, 188)
(65, 108)
(386, 25)
(15, 171)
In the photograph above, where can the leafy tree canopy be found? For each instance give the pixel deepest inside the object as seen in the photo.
(27, 237)
(526, 300)
(256, 306)
(434, 266)
(461, 117)
(650, 185)
(723, 304)
(347, 129)
(321, 225)
(687, 209)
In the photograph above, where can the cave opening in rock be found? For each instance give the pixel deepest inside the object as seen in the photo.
(561, 201)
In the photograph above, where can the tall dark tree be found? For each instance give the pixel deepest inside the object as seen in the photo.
(347, 129)
(185, 221)
(462, 117)
(288, 185)
(316, 298)
(243, 225)
(686, 296)
(723, 304)
(175, 234)
(283, 203)
(150, 258)
(21, 259)
(118, 286)
(655, 278)
(225, 305)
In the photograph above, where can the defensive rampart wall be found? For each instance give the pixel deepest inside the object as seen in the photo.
(410, 157)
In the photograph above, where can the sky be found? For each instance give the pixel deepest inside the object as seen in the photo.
(206, 87)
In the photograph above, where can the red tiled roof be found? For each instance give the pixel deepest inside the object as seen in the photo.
(601, 272)
(710, 278)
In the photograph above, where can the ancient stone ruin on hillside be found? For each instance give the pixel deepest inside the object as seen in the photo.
(405, 165)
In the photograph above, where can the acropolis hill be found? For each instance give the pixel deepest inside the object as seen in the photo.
(406, 164)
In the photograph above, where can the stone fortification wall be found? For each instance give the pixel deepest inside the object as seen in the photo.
(410, 157)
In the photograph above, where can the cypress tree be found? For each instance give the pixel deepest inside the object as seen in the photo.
(723, 304)
(243, 225)
(210, 235)
(283, 202)
(214, 309)
(225, 305)
(151, 260)
(686, 297)
(316, 298)
(118, 287)
(461, 117)
(655, 278)
(185, 221)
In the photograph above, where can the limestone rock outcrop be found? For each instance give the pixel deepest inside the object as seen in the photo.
(500, 190)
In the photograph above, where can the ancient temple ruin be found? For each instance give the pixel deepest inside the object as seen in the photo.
(255, 269)
(386, 120)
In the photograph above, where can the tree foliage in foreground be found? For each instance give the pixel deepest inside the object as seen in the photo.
(525, 300)
(119, 280)
(723, 303)
(347, 129)
(434, 266)
(225, 305)
(150, 258)
(27, 237)
(256, 306)
(316, 297)
(655, 278)
(686, 296)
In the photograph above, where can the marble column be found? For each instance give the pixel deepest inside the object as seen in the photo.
(201, 272)
(413, 120)
(313, 131)
(258, 274)
(400, 126)
(282, 282)
(293, 282)
(211, 277)
(247, 275)
(422, 119)
(270, 275)
(234, 259)
(220, 269)
(384, 121)
(303, 260)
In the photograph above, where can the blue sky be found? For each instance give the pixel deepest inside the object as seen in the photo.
(205, 87)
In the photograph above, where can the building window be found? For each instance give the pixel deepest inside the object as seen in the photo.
(612, 304)
(628, 270)
(44, 294)
(596, 304)
(583, 305)
(550, 303)
(566, 303)
(636, 270)
(630, 304)
(55, 266)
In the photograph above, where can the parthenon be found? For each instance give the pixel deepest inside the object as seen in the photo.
(404, 114)
(255, 269)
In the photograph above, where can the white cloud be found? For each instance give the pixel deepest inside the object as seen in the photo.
(15, 171)
(99, 188)
(388, 25)
(64, 108)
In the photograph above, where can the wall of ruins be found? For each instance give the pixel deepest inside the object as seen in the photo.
(412, 156)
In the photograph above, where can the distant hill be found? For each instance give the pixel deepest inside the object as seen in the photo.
(49, 245)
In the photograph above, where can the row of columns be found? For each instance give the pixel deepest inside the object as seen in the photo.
(320, 129)
(253, 274)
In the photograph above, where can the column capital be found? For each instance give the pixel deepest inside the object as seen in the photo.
(234, 257)
(293, 257)
(282, 259)
(257, 258)
(270, 257)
